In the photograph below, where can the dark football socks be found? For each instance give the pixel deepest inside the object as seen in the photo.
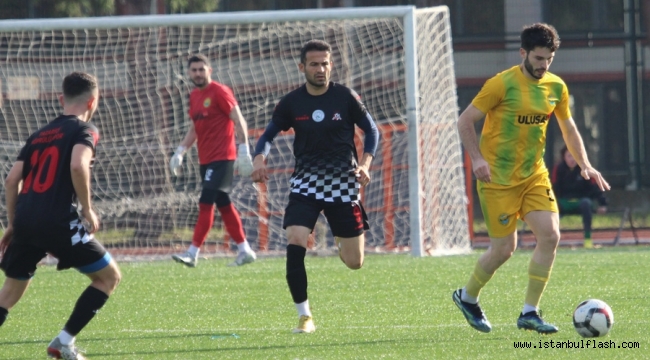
(3, 315)
(90, 301)
(296, 273)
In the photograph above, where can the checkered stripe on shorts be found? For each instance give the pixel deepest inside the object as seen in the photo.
(327, 183)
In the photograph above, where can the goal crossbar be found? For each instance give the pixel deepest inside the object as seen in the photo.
(220, 18)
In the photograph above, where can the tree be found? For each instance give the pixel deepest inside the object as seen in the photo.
(191, 6)
(135, 7)
(21, 9)
(81, 8)
(14, 9)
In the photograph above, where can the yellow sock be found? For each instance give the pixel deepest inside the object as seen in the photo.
(476, 282)
(538, 276)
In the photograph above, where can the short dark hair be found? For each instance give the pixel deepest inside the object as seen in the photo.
(314, 45)
(539, 35)
(198, 58)
(78, 83)
(563, 152)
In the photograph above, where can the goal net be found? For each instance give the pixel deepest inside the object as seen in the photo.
(398, 59)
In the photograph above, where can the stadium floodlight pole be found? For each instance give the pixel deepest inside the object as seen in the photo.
(412, 104)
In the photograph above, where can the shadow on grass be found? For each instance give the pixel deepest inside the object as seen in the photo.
(329, 345)
(91, 339)
(248, 349)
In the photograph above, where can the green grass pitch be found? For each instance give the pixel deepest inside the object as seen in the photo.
(395, 307)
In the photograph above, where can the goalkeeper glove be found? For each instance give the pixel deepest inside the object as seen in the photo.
(177, 160)
(244, 163)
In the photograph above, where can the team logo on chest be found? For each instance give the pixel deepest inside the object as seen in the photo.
(318, 115)
(336, 117)
(206, 102)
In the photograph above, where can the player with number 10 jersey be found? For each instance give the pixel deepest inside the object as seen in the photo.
(48, 197)
(47, 194)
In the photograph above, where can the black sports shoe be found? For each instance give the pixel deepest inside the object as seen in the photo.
(533, 321)
(472, 312)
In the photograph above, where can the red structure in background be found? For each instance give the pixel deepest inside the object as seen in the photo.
(385, 167)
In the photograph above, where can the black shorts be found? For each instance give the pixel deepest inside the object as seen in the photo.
(20, 260)
(345, 219)
(218, 175)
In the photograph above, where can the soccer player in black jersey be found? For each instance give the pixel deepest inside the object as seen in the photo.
(327, 176)
(49, 211)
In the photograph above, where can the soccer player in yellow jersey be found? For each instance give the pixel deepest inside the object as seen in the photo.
(513, 180)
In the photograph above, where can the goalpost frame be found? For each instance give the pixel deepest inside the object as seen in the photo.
(407, 13)
(412, 108)
(240, 17)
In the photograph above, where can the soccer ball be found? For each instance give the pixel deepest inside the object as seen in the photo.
(593, 318)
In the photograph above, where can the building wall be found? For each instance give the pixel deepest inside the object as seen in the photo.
(593, 66)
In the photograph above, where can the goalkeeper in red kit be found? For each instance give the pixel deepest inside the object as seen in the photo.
(216, 118)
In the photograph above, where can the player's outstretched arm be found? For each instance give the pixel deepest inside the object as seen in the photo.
(591, 173)
(13, 184)
(470, 142)
(362, 171)
(241, 127)
(177, 159)
(80, 161)
(259, 173)
(370, 141)
(262, 149)
(243, 163)
(576, 147)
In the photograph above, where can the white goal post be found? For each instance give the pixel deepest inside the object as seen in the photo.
(399, 59)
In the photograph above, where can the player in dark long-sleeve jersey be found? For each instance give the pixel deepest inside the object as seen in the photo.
(327, 176)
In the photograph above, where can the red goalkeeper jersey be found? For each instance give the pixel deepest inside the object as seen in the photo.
(215, 132)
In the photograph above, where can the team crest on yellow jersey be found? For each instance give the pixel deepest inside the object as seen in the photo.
(207, 102)
(504, 219)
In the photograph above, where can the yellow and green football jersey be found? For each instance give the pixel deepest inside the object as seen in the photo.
(517, 111)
